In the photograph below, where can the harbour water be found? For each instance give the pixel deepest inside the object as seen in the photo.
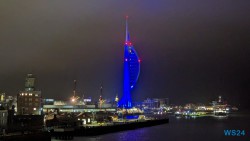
(184, 129)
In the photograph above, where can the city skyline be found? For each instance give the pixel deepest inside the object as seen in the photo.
(191, 51)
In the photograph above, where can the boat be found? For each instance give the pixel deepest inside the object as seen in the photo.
(220, 112)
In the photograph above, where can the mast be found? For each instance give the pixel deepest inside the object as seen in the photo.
(74, 90)
(127, 32)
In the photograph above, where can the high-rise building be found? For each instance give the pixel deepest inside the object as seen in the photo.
(30, 82)
(2, 97)
(131, 71)
(29, 100)
(3, 118)
(2, 101)
(155, 102)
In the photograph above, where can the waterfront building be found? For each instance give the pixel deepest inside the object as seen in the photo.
(163, 102)
(190, 106)
(155, 102)
(57, 106)
(2, 97)
(75, 108)
(131, 71)
(7, 102)
(3, 101)
(3, 117)
(150, 103)
(48, 101)
(104, 105)
(11, 101)
(29, 100)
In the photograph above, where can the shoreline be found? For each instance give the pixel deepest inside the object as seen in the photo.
(106, 129)
(70, 133)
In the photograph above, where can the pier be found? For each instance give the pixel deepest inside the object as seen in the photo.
(94, 130)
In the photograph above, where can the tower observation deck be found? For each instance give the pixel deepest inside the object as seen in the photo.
(131, 71)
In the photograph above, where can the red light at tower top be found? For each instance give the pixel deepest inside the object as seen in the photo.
(128, 43)
(127, 40)
(139, 60)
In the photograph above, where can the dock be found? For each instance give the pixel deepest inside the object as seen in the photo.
(94, 130)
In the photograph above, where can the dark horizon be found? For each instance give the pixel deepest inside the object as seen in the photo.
(191, 51)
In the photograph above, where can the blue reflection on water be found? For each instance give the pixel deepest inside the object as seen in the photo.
(200, 128)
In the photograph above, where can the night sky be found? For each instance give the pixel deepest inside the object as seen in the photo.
(191, 50)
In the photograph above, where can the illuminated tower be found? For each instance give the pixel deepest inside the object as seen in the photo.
(30, 82)
(131, 71)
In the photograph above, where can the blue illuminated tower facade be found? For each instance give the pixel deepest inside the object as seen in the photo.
(131, 71)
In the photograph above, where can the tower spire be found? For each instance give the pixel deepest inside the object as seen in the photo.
(127, 33)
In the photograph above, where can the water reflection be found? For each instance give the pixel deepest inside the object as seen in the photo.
(205, 128)
(195, 117)
(187, 117)
(130, 135)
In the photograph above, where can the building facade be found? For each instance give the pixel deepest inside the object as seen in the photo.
(155, 102)
(3, 118)
(29, 100)
(2, 97)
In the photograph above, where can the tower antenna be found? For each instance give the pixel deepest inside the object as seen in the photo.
(74, 90)
(127, 33)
